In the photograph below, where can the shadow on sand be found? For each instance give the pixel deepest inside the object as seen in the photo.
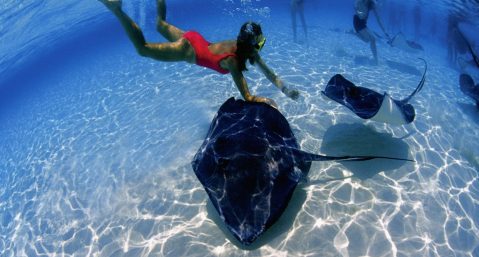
(364, 61)
(359, 139)
(404, 68)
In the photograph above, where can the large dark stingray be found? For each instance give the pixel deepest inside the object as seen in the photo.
(369, 104)
(250, 164)
(468, 88)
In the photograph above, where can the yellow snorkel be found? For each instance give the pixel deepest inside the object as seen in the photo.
(261, 43)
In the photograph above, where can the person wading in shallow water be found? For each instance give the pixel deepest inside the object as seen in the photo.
(225, 57)
(297, 7)
(360, 19)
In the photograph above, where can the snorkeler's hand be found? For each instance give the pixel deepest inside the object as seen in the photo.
(260, 99)
(291, 93)
(271, 102)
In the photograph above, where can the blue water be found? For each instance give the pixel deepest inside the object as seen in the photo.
(96, 141)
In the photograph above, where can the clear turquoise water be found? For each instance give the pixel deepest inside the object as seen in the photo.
(96, 142)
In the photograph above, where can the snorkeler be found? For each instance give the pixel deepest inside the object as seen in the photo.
(362, 8)
(297, 6)
(224, 57)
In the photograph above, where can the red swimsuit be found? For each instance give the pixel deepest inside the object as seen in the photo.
(204, 57)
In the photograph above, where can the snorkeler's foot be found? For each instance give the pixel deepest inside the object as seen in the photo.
(112, 4)
(161, 8)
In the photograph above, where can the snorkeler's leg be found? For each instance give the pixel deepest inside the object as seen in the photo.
(161, 9)
(131, 28)
(170, 32)
(180, 50)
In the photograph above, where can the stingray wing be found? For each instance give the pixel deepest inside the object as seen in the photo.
(364, 102)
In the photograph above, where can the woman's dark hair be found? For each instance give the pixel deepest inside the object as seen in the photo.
(246, 43)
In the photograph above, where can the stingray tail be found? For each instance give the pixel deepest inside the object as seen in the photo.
(317, 157)
(419, 86)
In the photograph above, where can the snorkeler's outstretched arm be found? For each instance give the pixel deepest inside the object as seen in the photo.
(291, 93)
(242, 86)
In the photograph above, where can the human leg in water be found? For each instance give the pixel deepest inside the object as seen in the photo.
(170, 32)
(178, 49)
(366, 36)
